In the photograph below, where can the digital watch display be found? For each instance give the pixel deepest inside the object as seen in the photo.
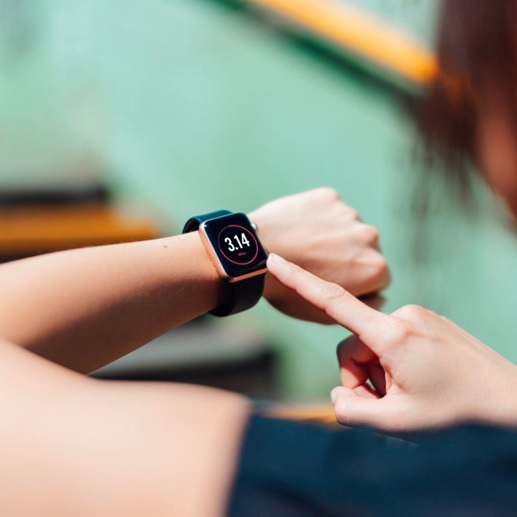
(237, 254)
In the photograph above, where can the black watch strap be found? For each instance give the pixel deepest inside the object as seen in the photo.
(242, 295)
(193, 223)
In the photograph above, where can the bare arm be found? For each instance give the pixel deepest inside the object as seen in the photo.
(78, 446)
(84, 308)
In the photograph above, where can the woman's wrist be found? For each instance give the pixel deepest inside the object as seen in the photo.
(271, 285)
(205, 272)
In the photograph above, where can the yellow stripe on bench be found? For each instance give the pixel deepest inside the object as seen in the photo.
(360, 33)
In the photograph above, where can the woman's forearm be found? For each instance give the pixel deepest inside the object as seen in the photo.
(84, 308)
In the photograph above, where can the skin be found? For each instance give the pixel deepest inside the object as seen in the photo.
(415, 369)
(66, 438)
(90, 306)
(409, 370)
(76, 446)
(72, 445)
(336, 244)
(497, 153)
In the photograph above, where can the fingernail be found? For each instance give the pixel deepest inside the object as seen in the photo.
(333, 395)
(276, 259)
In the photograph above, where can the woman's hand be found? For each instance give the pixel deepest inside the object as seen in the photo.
(317, 231)
(409, 370)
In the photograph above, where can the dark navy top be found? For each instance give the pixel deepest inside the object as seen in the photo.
(289, 469)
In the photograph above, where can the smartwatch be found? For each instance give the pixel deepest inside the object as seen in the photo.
(232, 244)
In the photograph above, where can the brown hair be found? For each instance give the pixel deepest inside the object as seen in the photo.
(477, 51)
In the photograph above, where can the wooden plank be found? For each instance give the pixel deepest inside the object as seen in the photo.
(32, 230)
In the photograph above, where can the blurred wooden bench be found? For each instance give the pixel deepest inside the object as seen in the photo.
(27, 230)
(322, 413)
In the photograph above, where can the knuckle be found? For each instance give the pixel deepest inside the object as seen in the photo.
(329, 193)
(380, 268)
(352, 213)
(370, 234)
(376, 270)
(344, 347)
(342, 413)
(411, 312)
(332, 292)
(399, 331)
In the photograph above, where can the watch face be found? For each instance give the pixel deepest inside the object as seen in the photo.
(235, 244)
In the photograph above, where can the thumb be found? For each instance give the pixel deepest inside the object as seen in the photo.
(352, 409)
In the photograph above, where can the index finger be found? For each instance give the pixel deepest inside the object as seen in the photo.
(336, 302)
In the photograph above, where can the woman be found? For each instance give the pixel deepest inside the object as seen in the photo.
(75, 446)
(72, 445)
(412, 371)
